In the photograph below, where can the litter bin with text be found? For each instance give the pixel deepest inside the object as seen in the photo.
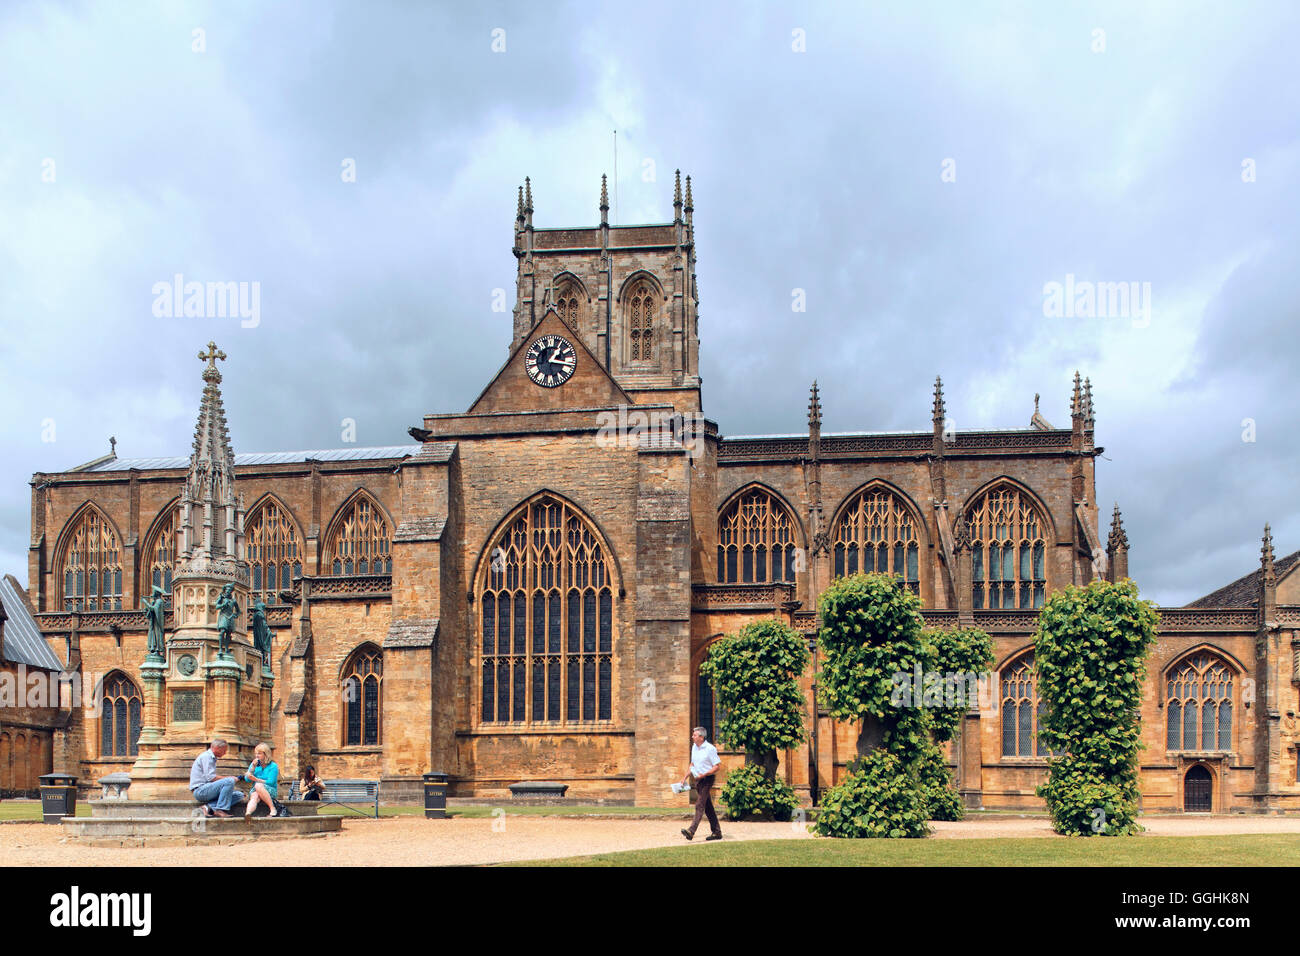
(58, 796)
(435, 796)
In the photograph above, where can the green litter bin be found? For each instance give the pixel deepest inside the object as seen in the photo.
(58, 796)
(435, 796)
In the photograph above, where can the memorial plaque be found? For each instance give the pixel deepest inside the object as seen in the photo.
(187, 665)
(187, 705)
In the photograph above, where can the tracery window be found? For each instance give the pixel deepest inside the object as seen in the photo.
(161, 555)
(92, 566)
(1008, 551)
(756, 540)
(567, 305)
(119, 717)
(1022, 710)
(878, 533)
(1199, 707)
(363, 679)
(546, 621)
(274, 552)
(361, 542)
(708, 714)
(641, 308)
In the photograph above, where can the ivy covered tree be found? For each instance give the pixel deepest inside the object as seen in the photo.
(876, 648)
(1090, 661)
(958, 657)
(755, 679)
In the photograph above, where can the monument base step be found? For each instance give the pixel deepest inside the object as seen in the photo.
(194, 831)
(124, 809)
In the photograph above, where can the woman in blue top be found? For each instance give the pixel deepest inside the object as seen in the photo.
(264, 775)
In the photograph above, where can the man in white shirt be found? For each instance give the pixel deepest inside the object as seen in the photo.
(704, 765)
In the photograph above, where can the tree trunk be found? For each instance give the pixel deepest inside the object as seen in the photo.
(765, 759)
(871, 737)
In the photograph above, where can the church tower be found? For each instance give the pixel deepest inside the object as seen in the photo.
(627, 291)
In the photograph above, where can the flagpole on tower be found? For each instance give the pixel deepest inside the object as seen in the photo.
(615, 176)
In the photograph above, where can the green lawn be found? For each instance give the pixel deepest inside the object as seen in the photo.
(1249, 850)
(30, 810)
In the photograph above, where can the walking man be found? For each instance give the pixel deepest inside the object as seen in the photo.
(704, 766)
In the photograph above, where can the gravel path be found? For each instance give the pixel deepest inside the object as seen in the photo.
(402, 841)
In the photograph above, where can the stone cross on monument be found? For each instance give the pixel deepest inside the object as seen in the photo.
(211, 373)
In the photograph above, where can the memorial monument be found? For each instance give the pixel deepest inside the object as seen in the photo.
(204, 678)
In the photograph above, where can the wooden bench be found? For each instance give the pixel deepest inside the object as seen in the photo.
(345, 792)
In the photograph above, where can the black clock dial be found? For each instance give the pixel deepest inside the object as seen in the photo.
(551, 360)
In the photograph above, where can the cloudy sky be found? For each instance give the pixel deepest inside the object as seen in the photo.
(921, 171)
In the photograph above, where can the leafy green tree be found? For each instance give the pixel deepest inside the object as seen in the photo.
(959, 656)
(886, 669)
(879, 799)
(755, 679)
(1090, 660)
(871, 630)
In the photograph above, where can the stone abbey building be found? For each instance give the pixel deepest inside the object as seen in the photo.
(527, 591)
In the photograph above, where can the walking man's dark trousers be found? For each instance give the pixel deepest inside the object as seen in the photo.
(704, 805)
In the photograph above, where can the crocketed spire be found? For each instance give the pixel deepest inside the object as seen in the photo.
(1118, 538)
(211, 513)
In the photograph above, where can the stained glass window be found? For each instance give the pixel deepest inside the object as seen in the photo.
(1199, 705)
(1008, 551)
(274, 552)
(361, 541)
(363, 678)
(756, 541)
(546, 619)
(877, 533)
(92, 565)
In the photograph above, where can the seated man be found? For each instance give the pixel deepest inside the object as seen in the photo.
(216, 794)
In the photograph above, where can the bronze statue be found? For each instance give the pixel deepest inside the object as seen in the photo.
(155, 613)
(227, 613)
(262, 633)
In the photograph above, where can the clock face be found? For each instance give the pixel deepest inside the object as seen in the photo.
(551, 360)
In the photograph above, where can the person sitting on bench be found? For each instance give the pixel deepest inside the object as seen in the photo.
(310, 786)
(264, 774)
(217, 794)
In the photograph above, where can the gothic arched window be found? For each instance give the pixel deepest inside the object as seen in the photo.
(363, 685)
(546, 619)
(708, 713)
(756, 540)
(274, 552)
(119, 716)
(877, 532)
(1008, 550)
(1022, 710)
(641, 310)
(160, 553)
(568, 306)
(361, 541)
(1199, 706)
(91, 569)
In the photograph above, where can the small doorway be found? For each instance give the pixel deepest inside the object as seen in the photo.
(1197, 790)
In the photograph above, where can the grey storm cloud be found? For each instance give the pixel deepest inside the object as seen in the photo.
(817, 171)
